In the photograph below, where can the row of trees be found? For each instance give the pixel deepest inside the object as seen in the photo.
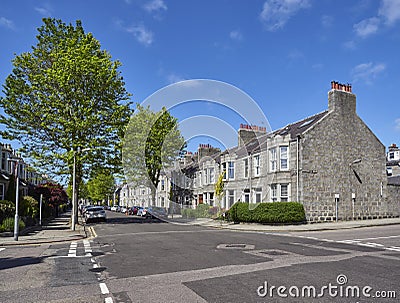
(65, 101)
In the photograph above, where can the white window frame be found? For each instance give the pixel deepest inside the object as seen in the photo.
(224, 170)
(274, 192)
(246, 167)
(284, 156)
(246, 195)
(258, 195)
(206, 176)
(284, 198)
(273, 159)
(230, 193)
(211, 175)
(231, 170)
(257, 165)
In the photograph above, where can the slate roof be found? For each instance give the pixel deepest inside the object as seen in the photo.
(298, 128)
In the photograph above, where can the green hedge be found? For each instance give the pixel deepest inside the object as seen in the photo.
(268, 213)
(201, 211)
(8, 224)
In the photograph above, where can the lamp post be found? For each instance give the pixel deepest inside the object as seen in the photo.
(353, 194)
(16, 219)
(74, 191)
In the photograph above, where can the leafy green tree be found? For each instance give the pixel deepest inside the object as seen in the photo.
(219, 189)
(65, 95)
(152, 142)
(101, 186)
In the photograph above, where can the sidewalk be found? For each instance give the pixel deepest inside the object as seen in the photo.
(57, 230)
(289, 228)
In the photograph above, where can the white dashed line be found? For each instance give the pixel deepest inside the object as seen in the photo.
(88, 249)
(393, 248)
(104, 289)
(72, 249)
(108, 300)
(1, 248)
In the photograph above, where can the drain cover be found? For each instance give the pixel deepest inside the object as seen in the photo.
(235, 246)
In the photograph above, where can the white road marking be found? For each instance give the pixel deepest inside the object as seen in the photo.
(104, 289)
(377, 238)
(72, 249)
(95, 265)
(1, 248)
(108, 300)
(393, 248)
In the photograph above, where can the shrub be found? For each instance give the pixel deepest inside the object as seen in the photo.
(29, 207)
(7, 209)
(188, 213)
(8, 224)
(276, 212)
(202, 211)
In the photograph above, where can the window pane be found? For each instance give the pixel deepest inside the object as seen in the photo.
(231, 170)
(273, 159)
(284, 157)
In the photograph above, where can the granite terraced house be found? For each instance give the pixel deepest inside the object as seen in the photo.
(331, 162)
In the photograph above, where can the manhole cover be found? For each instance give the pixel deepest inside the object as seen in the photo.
(235, 246)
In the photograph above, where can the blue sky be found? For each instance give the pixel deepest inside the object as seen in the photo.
(283, 54)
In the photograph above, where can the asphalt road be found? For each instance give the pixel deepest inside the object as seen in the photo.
(159, 262)
(145, 260)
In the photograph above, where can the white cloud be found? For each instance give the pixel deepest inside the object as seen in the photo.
(236, 35)
(350, 45)
(367, 27)
(44, 11)
(367, 72)
(295, 54)
(327, 21)
(173, 78)
(142, 34)
(4, 22)
(390, 11)
(397, 122)
(155, 6)
(276, 13)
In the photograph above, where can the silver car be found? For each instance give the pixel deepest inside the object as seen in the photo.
(95, 213)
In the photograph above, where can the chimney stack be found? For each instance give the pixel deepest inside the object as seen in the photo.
(341, 99)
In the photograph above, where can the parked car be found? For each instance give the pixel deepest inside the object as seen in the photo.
(133, 210)
(115, 208)
(123, 209)
(141, 211)
(157, 212)
(95, 213)
(84, 208)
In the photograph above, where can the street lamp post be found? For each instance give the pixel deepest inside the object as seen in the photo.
(353, 194)
(74, 204)
(16, 219)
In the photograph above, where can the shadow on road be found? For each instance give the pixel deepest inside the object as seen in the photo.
(131, 220)
(6, 263)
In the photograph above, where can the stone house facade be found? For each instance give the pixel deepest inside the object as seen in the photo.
(140, 195)
(330, 162)
(27, 176)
